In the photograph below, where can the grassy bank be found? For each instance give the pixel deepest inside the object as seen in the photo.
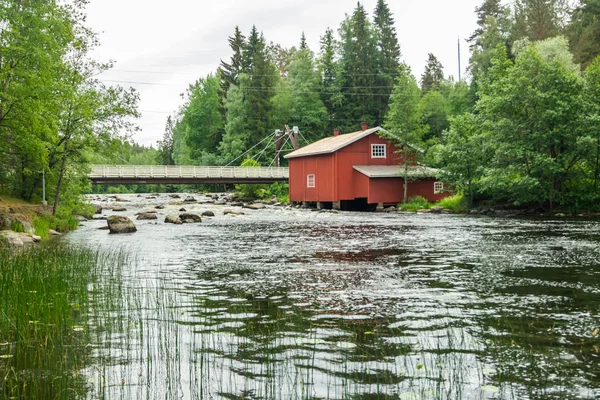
(45, 299)
(456, 204)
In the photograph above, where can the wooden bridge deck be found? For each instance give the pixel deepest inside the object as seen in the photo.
(175, 174)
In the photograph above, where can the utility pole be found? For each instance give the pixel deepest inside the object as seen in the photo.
(280, 136)
(459, 71)
(278, 145)
(44, 202)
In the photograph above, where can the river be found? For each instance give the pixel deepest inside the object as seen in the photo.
(283, 303)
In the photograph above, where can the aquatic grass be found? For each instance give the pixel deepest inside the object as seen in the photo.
(44, 320)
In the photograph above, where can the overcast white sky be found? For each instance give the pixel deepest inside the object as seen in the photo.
(161, 47)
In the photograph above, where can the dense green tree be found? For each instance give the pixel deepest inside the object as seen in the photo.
(164, 155)
(540, 19)
(237, 131)
(463, 154)
(433, 110)
(584, 30)
(403, 119)
(388, 59)
(329, 69)
(358, 69)
(433, 75)
(230, 72)
(254, 44)
(202, 119)
(532, 108)
(259, 93)
(592, 95)
(300, 98)
(34, 38)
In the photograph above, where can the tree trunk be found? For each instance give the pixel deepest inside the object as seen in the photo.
(405, 178)
(60, 181)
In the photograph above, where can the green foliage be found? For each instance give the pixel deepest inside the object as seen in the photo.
(201, 118)
(251, 191)
(433, 76)
(17, 226)
(457, 203)
(414, 204)
(279, 190)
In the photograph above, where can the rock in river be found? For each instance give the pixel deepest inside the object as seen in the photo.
(119, 208)
(173, 219)
(190, 199)
(190, 218)
(147, 216)
(255, 206)
(232, 212)
(208, 214)
(120, 224)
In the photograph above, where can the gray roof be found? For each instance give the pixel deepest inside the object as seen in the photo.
(332, 144)
(396, 171)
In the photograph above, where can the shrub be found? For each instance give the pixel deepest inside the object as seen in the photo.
(415, 203)
(456, 203)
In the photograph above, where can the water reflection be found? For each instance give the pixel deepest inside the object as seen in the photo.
(283, 304)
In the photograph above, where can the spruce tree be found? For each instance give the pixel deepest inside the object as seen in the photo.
(388, 60)
(329, 70)
(252, 45)
(433, 75)
(359, 69)
(303, 45)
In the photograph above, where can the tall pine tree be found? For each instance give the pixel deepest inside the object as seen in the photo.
(433, 75)
(359, 69)
(388, 60)
(329, 69)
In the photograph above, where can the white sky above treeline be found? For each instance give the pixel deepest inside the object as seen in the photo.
(161, 47)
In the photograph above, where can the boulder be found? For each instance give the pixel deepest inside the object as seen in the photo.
(52, 232)
(220, 203)
(173, 219)
(119, 208)
(81, 218)
(120, 224)
(147, 216)
(208, 214)
(424, 211)
(159, 207)
(10, 239)
(255, 206)
(98, 209)
(190, 218)
(190, 199)
(232, 212)
(182, 209)
(36, 238)
(174, 196)
(389, 209)
(215, 197)
(436, 210)
(26, 225)
(121, 200)
(237, 204)
(103, 228)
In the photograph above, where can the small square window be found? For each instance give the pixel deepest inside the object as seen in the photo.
(438, 187)
(378, 151)
(310, 181)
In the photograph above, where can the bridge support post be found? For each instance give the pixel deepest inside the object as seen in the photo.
(337, 205)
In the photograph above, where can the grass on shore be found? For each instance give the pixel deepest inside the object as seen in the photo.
(456, 204)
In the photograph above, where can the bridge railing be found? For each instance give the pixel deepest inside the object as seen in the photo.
(181, 171)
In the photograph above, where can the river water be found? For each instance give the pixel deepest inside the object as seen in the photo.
(284, 303)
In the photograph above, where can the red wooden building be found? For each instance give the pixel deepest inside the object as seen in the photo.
(355, 170)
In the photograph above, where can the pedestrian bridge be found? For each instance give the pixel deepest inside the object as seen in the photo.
(180, 174)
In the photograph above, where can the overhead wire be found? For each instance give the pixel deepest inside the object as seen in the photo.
(247, 151)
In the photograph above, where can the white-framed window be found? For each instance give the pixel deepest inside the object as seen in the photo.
(438, 187)
(310, 180)
(378, 151)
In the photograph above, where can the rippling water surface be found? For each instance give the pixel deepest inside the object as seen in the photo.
(292, 304)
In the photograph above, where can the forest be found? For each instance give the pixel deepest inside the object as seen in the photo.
(522, 129)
